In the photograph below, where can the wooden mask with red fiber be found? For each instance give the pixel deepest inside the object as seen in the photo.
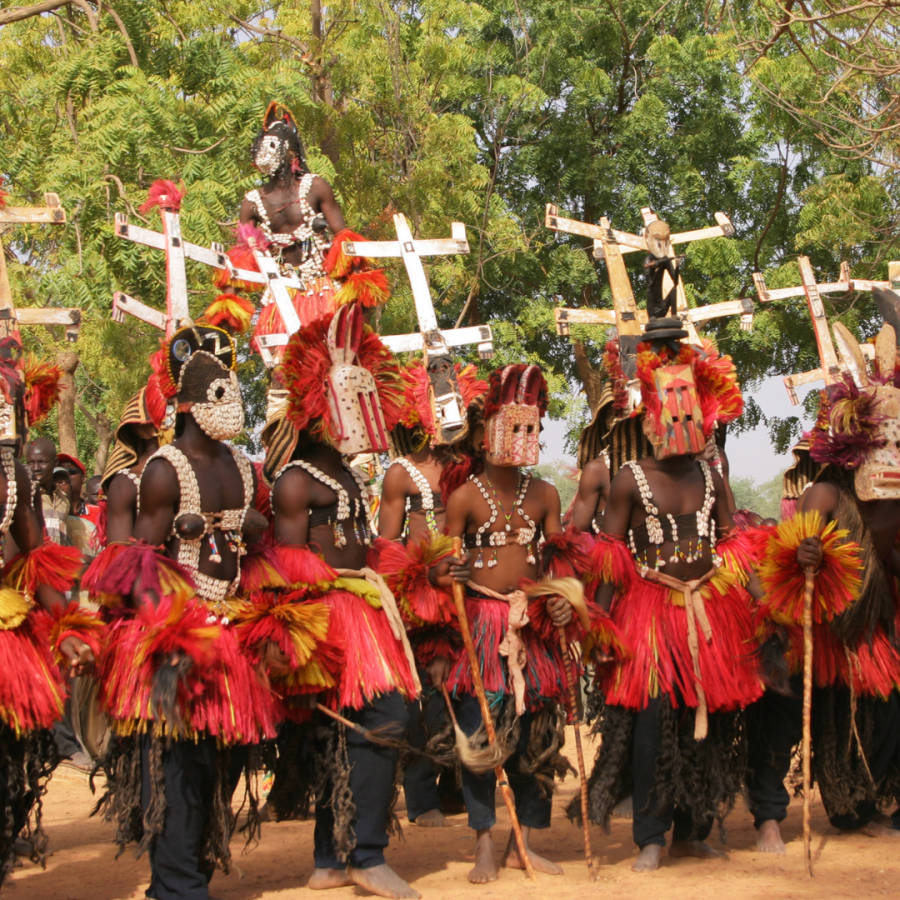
(512, 424)
(353, 404)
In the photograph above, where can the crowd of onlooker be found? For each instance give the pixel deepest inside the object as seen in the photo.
(69, 500)
(70, 508)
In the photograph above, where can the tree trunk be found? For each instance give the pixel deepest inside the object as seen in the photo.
(590, 377)
(105, 434)
(67, 360)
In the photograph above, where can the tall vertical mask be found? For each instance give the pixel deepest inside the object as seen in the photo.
(677, 428)
(447, 404)
(877, 477)
(202, 362)
(353, 403)
(512, 433)
(13, 424)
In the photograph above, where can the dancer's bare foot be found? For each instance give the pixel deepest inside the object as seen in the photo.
(648, 859)
(768, 838)
(383, 881)
(874, 830)
(434, 818)
(485, 868)
(512, 860)
(697, 849)
(323, 879)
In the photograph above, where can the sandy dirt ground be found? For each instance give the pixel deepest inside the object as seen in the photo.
(435, 861)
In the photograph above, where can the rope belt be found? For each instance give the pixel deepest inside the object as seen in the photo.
(512, 646)
(696, 614)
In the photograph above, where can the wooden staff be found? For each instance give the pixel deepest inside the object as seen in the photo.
(460, 603)
(807, 711)
(571, 677)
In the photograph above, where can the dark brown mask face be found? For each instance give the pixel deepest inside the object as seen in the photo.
(187, 341)
(449, 408)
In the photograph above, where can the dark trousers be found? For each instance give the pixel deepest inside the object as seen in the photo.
(532, 807)
(372, 784)
(774, 728)
(420, 781)
(176, 869)
(651, 822)
(64, 734)
(884, 752)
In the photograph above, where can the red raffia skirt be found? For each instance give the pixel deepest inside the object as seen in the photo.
(32, 690)
(311, 304)
(653, 622)
(224, 697)
(372, 661)
(488, 621)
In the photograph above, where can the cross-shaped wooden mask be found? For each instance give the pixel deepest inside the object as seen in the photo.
(610, 245)
(177, 250)
(830, 369)
(429, 338)
(10, 317)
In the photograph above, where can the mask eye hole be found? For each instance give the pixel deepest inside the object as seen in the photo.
(531, 429)
(517, 429)
(220, 392)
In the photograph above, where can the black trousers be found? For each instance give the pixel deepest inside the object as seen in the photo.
(774, 728)
(651, 822)
(176, 869)
(532, 807)
(420, 781)
(372, 771)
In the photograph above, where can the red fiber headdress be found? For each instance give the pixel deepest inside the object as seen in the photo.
(848, 426)
(164, 194)
(41, 388)
(715, 379)
(502, 379)
(231, 312)
(418, 411)
(304, 372)
(247, 236)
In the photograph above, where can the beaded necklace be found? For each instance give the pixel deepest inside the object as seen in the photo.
(421, 482)
(524, 537)
(363, 524)
(230, 522)
(8, 461)
(655, 528)
(312, 244)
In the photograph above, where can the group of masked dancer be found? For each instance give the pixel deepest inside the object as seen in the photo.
(255, 616)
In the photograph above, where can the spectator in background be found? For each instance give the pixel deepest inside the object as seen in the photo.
(40, 458)
(92, 498)
(74, 466)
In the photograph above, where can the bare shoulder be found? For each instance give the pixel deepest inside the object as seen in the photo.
(822, 497)
(320, 187)
(121, 488)
(396, 478)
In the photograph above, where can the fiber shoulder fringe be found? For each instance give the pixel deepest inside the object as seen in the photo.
(701, 776)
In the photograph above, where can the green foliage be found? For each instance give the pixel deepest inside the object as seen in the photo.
(479, 112)
(764, 498)
(562, 476)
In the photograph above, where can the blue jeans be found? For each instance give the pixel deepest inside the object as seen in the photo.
(532, 807)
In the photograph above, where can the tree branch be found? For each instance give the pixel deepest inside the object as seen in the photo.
(16, 14)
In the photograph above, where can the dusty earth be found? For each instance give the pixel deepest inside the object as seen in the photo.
(83, 864)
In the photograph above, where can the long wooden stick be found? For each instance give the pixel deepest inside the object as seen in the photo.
(459, 601)
(807, 712)
(571, 677)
